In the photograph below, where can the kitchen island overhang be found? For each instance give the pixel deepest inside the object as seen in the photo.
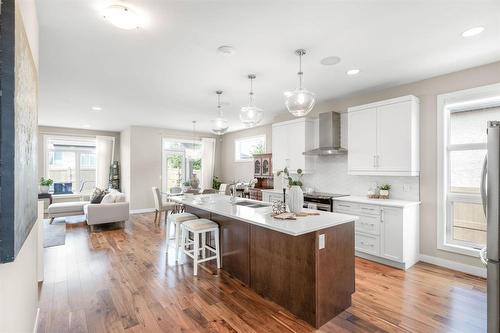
(305, 265)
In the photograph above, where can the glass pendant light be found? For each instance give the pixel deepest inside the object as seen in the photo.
(219, 124)
(300, 101)
(193, 151)
(251, 115)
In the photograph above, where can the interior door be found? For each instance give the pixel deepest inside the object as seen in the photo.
(362, 138)
(391, 225)
(393, 139)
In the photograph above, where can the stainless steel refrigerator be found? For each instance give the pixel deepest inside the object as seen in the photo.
(490, 193)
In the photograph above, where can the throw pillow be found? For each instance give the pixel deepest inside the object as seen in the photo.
(108, 198)
(97, 196)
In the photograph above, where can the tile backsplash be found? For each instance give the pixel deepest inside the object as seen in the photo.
(330, 175)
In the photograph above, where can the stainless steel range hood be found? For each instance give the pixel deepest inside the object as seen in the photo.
(329, 135)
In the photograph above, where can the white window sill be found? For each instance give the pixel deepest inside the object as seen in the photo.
(468, 251)
(243, 161)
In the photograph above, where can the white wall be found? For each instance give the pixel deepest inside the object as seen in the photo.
(230, 170)
(145, 154)
(125, 162)
(19, 288)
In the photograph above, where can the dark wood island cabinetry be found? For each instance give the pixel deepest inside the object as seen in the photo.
(312, 280)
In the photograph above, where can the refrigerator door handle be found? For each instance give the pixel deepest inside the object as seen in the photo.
(483, 183)
(483, 255)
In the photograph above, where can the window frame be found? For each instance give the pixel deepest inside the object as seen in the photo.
(464, 100)
(247, 138)
(77, 152)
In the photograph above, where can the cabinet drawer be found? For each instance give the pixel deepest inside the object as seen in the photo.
(369, 210)
(367, 243)
(368, 224)
(347, 207)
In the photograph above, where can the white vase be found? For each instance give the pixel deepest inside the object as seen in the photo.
(295, 199)
(43, 189)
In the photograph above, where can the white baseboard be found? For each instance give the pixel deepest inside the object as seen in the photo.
(35, 327)
(464, 268)
(143, 210)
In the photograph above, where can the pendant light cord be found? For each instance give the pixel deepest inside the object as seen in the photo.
(251, 91)
(300, 71)
(218, 105)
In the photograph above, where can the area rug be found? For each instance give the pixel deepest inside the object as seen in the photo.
(54, 234)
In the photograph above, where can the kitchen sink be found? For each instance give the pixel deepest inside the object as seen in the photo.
(251, 204)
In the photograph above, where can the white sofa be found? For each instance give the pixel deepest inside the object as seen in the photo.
(106, 213)
(113, 208)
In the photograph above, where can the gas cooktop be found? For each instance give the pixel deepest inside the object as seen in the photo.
(323, 195)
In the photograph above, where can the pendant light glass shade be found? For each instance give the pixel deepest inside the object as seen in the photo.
(219, 124)
(300, 101)
(251, 115)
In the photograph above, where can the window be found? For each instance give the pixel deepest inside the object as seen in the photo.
(462, 145)
(245, 148)
(71, 164)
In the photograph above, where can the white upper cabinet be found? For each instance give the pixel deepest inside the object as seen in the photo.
(290, 140)
(383, 138)
(362, 146)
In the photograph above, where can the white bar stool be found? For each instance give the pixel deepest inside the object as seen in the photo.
(177, 220)
(200, 227)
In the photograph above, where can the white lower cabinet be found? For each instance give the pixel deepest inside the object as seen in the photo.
(389, 235)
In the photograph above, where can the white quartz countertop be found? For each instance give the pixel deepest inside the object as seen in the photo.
(381, 202)
(221, 204)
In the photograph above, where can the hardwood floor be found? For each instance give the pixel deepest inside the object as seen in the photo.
(121, 280)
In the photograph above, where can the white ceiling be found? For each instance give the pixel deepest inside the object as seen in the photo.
(166, 73)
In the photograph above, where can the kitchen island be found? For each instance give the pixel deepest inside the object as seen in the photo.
(305, 265)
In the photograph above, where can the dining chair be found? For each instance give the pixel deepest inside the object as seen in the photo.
(192, 191)
(208, 191)
(161, 206)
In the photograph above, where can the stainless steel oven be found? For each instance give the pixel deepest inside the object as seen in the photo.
(320, 201)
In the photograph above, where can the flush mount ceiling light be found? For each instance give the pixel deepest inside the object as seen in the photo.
(300, 101)
(226, 50)
(96, 108)
(122, 17)
(472, 31)
(219, 124)
(251, 115)
(353, 71)
(330, 61)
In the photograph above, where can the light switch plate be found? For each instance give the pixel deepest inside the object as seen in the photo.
(321, 241)
(406, 187)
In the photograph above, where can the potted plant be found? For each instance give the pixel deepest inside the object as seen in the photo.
(384, 191)
(295, 193)
(186, 185)
(216, 183)
(45, 184)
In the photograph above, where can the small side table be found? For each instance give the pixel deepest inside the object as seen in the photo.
(45, 196)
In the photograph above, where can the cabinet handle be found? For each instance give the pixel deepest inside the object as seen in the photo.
(344, 205)
(377, 159)
(382, 215)
(374, 161)
(363, 243)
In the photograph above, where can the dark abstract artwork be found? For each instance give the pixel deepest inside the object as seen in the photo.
(18, 135)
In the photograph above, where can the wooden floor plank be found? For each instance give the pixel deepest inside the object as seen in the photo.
(122, 280)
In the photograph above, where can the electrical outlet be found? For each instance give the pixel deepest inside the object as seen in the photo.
(406, 187)
(321, 241)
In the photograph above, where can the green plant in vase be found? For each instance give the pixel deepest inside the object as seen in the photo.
(295, 194)
(45, 184)
(384, 191)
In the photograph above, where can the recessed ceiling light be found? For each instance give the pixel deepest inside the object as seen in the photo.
(122, 17)
(353, 71)
(472, 31)
(86, 126)
(226, 50)
(330, 61)
(96, 108)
